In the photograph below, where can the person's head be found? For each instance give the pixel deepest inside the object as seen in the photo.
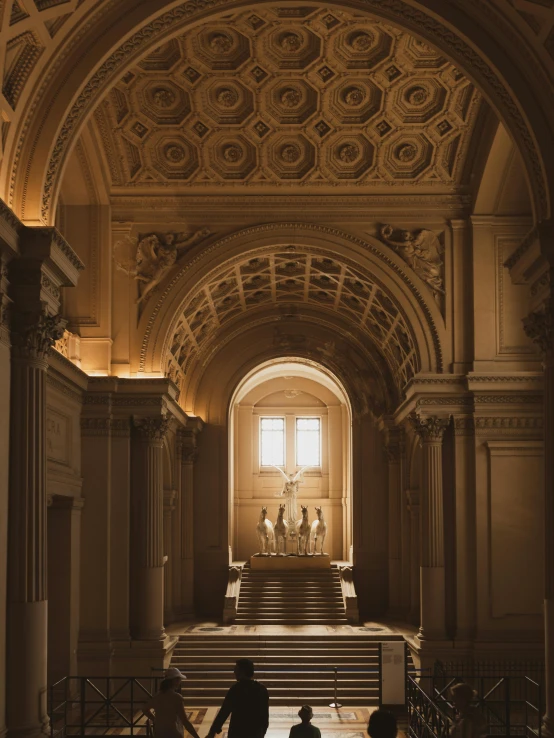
(462, 694)
(244, 669)
(305, 713)
(382, 724)
(172, 680)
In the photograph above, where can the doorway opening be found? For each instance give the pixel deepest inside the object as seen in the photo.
(287, 415)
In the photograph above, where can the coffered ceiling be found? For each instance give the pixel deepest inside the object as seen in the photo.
(253, 284)
(285, 97)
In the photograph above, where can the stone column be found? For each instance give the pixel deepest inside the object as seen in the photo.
(189, 453)
(539, 326)
(432, 625)
(169, 497)
(147, 528)
(412, 496)
(33, 334)
(5, 345)
(394, 450)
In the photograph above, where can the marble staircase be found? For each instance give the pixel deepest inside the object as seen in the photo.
(296, 668)
(291, 598)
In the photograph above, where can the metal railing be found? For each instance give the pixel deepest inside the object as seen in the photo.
(425, 718)
(100, 705)
(96, 705)
(510, 705)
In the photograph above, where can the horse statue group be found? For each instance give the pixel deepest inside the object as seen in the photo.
(273, 537)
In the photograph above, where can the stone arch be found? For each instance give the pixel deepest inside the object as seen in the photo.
(70, 90)
(363, 284)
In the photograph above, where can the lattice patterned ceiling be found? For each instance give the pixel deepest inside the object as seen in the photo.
(291, 277)
(289, 96)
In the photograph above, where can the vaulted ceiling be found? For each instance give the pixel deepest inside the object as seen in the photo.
(285, 97)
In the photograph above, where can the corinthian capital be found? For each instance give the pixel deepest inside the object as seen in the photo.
(538, 327)
(33, 339)
(430, 428)
(151, 429)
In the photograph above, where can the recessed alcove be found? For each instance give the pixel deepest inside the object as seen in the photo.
(289, 392)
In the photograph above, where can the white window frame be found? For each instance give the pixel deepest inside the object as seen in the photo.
(308, 417)
(273, 417)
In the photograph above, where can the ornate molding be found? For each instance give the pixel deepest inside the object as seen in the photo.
(35, 340)
(153, 430)
(115, 427)
(515, 424)
(431, 428)
(539, 326)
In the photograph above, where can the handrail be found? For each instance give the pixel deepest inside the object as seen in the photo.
(510, 704)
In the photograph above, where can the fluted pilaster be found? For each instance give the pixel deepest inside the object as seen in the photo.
(431, 431)
(394, 450)
(147, 529)
(32, 337)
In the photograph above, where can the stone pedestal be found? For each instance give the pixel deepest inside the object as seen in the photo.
(290, 563)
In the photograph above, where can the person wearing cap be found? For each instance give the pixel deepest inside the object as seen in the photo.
(167, 710)
(247, 702)
(469, 723)
(305, 729)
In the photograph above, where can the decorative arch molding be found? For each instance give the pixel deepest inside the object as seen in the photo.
(410, 297)
(459, 46)
(214, 385)
(365, 376)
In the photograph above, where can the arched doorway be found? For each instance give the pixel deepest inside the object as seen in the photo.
(268, 413)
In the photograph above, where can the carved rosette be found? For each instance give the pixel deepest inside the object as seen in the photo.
(538, 326)
(152, 430)
(34, 340)
(429, 429)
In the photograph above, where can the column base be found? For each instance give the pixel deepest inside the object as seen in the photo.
(142, 658)
(26, 703)
(433, 626)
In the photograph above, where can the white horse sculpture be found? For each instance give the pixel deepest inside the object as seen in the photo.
(319, 530)
(303, 533)
(281, 531)
(265, 533)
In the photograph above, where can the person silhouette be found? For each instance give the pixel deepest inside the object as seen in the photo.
(167, 710)
(305, 729)
(382, 724)
(247, 702)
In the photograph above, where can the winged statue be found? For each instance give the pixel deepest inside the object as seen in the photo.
(290, 493)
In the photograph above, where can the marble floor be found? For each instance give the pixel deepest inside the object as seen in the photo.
(350, 722)
(381, 629)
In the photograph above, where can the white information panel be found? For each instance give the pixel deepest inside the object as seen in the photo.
(393, 674)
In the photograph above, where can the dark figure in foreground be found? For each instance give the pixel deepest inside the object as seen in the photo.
(167, 710)
(382, 724)
(305, 729)
(248, 704)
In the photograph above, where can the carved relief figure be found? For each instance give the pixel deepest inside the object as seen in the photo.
(319, 531)
(266, 536)
(281, 532)
(155, 256)
(423, 252)
(303, 534)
